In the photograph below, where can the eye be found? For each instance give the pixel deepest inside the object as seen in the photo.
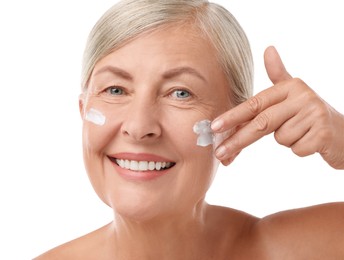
(115, 91)
(181, 94)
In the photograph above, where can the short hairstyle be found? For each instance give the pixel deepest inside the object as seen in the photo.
(130, 18)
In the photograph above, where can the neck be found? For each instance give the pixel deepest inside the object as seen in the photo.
(165, 237)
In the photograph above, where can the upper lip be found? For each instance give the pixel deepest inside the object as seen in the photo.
(140, 157)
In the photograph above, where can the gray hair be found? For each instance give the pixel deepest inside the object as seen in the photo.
(130, 18)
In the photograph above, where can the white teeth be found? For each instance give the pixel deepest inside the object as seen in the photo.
(143, 165)
(126, 164)
(134, 165)
(121, 163)
(151, 166)
(158, 166)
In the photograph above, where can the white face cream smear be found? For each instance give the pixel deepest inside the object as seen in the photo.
(96, 117)
(205, 134)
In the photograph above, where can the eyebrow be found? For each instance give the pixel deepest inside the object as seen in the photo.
(183, 70)
(114, 70)
(173, 73)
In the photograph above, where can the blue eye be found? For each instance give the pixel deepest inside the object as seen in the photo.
(115, 91)
(181, 94)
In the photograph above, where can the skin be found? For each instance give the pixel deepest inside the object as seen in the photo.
(291, 110)
(167, 218)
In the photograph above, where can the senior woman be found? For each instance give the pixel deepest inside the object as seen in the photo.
(151, 71)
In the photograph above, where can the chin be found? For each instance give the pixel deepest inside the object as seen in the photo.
(139, 212)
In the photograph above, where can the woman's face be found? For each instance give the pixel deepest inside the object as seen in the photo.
(152, 91)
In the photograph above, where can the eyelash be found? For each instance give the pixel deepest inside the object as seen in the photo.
(173, 93)
(109, 89)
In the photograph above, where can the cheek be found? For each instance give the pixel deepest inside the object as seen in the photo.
(197, 169)
(198, 160)
(179, 127)
(97, 137)
(96, 140)
(100, 125)
(93, 139)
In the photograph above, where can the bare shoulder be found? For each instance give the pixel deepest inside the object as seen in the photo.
(236, 221)
(235, 234)
(85, 247)
(315, 232)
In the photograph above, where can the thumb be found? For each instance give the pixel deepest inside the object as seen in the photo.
(274, 66)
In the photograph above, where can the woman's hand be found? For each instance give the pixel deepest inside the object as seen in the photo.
(299, 118)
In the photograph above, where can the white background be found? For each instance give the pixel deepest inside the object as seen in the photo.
(45, 195)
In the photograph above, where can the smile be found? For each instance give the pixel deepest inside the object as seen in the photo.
(142, 165)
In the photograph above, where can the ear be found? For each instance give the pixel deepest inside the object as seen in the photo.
(81, 104)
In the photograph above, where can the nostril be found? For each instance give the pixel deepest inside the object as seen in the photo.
(125, 132)
(150, 135)
(139, 136)
(139, 129)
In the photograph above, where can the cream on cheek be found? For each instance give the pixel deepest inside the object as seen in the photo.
(95, 116)
(101, 125)
(206, 136)
(96, 131)
(204, 132)
(202, 128)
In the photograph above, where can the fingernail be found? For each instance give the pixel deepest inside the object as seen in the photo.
(227, 162)
(216, 125)
(221, 151)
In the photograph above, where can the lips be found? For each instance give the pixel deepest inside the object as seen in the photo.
(141, 165)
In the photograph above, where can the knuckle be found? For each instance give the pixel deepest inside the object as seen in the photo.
(302, 151)
(262, 122)
(298, 82)
(322, 111)
(325, 135)
(310, 97)
(299, 152)
(305, 92)
(300, 87)
(319, 111)
(282, 138)
(255, 104)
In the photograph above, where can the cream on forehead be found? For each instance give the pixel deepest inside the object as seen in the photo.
(205, 134)
(96, 117)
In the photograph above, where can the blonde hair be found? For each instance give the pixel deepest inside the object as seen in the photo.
(130, 18)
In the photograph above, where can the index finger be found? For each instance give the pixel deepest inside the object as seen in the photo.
(255, 105)
(249, 109)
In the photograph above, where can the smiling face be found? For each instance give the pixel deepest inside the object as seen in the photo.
(144, 161)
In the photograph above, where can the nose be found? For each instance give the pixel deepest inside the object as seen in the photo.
(141, 122)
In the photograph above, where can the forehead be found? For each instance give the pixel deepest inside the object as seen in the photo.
(184, 44)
